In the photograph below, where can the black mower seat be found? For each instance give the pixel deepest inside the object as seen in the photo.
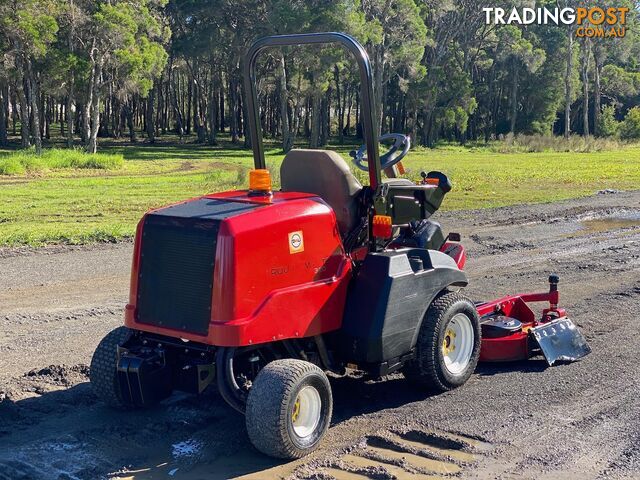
(326, 174)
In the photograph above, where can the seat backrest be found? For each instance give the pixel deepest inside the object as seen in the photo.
(326, 174)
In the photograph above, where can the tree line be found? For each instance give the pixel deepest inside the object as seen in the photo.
(147, 68)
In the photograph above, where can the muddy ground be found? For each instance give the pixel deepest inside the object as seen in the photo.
(511, 421)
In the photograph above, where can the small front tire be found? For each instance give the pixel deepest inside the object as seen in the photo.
(289, 408)
(448, 345)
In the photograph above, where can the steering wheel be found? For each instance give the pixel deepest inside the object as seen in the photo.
(399, 148)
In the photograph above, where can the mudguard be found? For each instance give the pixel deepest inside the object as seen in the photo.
(387, 301)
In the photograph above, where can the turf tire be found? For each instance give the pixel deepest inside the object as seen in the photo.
(428, 368)
(270, 404)
(103, 370)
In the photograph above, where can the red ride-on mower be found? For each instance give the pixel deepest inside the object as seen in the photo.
(261, 292)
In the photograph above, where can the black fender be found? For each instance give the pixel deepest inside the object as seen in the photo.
(450, 276)
(387, 301)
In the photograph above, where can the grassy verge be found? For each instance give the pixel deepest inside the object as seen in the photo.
(67, 205)
(27, 162)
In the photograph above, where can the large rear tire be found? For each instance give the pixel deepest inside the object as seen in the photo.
(448, 345)
(103, 370)
(289, 408)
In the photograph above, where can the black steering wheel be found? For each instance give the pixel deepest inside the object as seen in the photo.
(400, 145)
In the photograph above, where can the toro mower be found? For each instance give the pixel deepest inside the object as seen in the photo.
(260, 292)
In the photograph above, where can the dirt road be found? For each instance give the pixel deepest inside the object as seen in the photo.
(520, 420)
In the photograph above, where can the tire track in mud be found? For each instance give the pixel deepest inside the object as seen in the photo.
(414, 455)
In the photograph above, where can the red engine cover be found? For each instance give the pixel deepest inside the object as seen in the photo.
(280, 272)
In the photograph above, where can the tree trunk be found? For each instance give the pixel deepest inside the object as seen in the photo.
(222, 125)
(295, 117)
(198, 114)
(514, 98)
(233, 108)
(324, 120)
(14, 111)
(428, 128)
(287, 137)
(157, 121)
(399, 114)
(48, 117)
(378, 74)
(347, 127)
(597, 89)
(43, 108)
(339, 103)
(189, 101)
(61, 112)
(149, 121)
(567, 85)
(95, 108)
(32, 98)
(584, 70)
(314, 138)
(213, 107)
(69, 114)
(243, 111)
(86, 123)
(358, 124)
(414, 126)
(128, 112)
(25, 122)
(86, 118)
(174, 93)
(72, 79)
(105, 122)
(4, 112)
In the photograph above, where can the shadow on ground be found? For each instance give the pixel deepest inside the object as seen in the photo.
(534, 365)
(68, 432)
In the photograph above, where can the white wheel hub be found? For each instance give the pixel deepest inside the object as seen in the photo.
(306, 411)
(457, 344)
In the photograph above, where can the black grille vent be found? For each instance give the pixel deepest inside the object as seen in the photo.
(176, 273)
(177, 260)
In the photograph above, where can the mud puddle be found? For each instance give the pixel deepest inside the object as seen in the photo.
(242, 466)
(496, 240)
(606, 224)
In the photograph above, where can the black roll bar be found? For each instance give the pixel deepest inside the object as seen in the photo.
(369, 120)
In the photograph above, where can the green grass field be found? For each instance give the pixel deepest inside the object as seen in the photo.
(59, 203)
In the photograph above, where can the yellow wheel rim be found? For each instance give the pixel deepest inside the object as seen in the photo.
(296, 410)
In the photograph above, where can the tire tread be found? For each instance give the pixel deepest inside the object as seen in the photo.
(102, 373)
(266, 417)
(424, 369)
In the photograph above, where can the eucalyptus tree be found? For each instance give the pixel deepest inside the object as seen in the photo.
(123, 44)
(441, 71)
(519, 55)
(29, 28)
(396, 39)
(456, 39)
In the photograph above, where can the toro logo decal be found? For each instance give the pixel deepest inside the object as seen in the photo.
(296, 242)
